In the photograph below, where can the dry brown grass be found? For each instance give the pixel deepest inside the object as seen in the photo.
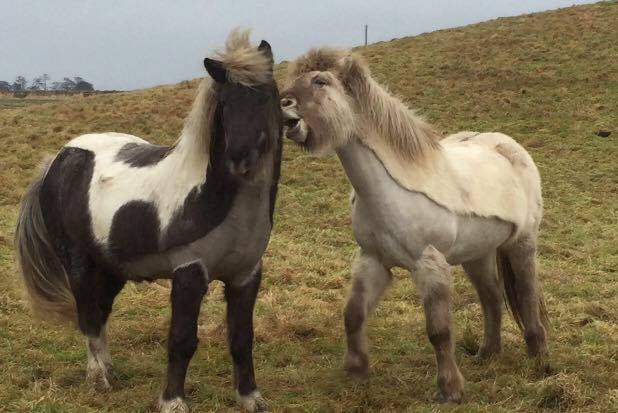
(550, 80)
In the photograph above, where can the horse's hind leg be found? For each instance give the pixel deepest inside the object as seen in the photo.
(521, 256)
(189, 284)
(432, 275)
(240, 302)
(99, 358)
(94, 295)
(369, 280)
(484, 276)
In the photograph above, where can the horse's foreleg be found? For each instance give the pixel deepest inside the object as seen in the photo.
(370, 279)
(432, 275)
(240, 302)
(189, 284)
(484, 277)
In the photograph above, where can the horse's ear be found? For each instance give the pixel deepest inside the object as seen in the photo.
(216, 70)
(351, 69)
(265, 48)
(345, 63)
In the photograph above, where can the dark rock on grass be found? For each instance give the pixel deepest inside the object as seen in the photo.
(603, 133)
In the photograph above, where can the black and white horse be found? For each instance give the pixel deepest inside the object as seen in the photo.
(111, 207)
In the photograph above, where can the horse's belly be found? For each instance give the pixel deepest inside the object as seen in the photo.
(476, 237)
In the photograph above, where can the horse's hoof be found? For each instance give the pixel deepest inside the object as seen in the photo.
(485, 353)
(100, 378)
(252, 402)
(176, 405)
(441, 397)
(356, 366)
(450, 388)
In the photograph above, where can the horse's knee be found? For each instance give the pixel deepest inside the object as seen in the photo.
(354, 312)
(441, 339)
(182, 347)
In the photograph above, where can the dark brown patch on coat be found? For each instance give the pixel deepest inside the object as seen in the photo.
(511, 153)
(140, 155)
(134, 230)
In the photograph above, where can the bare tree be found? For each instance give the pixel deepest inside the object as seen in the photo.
(37, 84)
(20, 83)
(84, 86)
(68, 84)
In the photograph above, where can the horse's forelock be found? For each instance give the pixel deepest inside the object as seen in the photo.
(245, 64)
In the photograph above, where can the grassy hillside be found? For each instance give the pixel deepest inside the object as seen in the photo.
(550, 80)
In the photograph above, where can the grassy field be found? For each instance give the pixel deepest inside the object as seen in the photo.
(549, 79)
(9, 102)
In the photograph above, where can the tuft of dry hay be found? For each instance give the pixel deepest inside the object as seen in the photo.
(562, 392)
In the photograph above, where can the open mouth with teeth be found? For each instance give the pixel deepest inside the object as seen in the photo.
(296, 130)
(292, 124)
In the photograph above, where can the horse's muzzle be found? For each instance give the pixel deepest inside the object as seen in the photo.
(242, 168)
(295, 127)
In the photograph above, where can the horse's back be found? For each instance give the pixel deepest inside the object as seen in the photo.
(99, 142)
(495, 158)
(494, 142)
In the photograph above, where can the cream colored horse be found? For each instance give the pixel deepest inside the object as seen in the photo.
(423, 203)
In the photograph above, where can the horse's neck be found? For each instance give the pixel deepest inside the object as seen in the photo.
(363, 168)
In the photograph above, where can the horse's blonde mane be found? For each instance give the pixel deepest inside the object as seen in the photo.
(386, 116)
(197, 130)
(245, 64)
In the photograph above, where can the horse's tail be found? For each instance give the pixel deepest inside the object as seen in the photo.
(505, 271)
(43, 274)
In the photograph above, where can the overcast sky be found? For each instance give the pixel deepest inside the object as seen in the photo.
(129, 44)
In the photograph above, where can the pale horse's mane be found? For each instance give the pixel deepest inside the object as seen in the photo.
(246, 65)
(384, 116)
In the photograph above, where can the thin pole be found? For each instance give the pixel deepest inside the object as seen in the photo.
(366, 26)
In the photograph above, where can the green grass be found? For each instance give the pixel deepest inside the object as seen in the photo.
(550, 80)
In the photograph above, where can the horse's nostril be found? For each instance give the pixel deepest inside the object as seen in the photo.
(239, 168)
(287, 102)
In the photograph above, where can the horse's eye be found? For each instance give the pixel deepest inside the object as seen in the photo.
(320, 81)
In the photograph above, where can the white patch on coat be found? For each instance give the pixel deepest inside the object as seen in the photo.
(176, 405)
(99, 360)
(252, 402)
(166, 184)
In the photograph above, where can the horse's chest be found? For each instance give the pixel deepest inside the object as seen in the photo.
(381, 232)
(397, 227)
(245, 250)
(233, 248)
